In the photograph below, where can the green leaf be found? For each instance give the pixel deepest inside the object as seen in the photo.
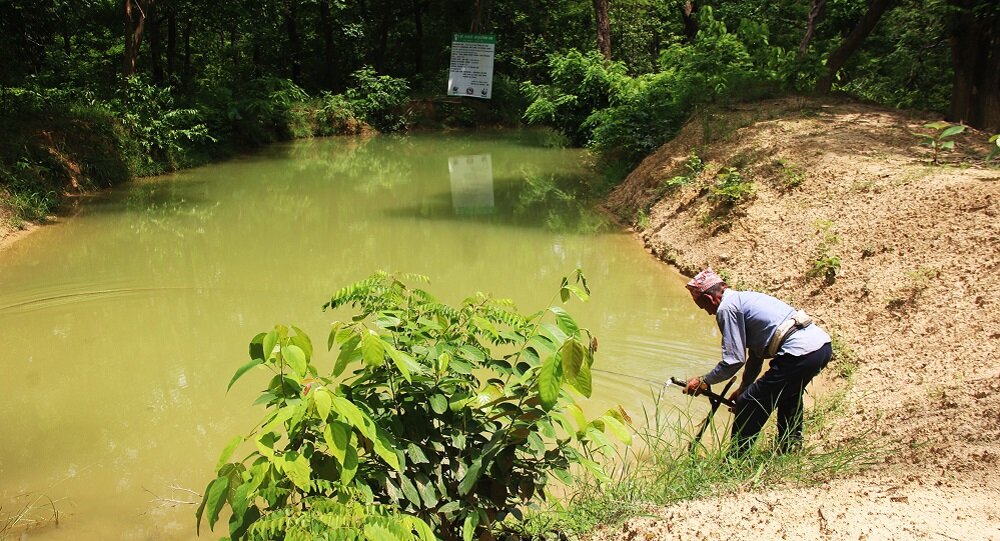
(323, 400)
(243, 370)
(578, 416)
(404, 363)
(350, 465)
(572, 354)
(257, 346)
(265, 443)
(409, 491)
(564, 321)
(580, 293)
(416, 454)
(450, 507)
(376, 532)
(215, 496)
(348, 353)
(471, 353)
(302, 340)
(354, 416)
(948, 145)
(372, 349)
(470, 478)
(385, 448)
(337, 436)
(332, 338)
(536, 444)
(228, 451)
(424, 532)
(595, 469)
(426, 489)
(296, 359)
(296, 467)
(442, 362)
(563, 476)
(584, 380)
(469, 526)
(549, 380)
(439, 404)
(270, 341)
(618, 429)
(953, 130)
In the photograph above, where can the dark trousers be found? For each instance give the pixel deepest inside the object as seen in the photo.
(780, 387)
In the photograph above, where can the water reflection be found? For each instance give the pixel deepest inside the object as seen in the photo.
(471, 184)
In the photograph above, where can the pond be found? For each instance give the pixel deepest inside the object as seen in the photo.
(122, 325)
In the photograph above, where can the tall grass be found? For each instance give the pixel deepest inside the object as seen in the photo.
(665, 467)
(35, 511)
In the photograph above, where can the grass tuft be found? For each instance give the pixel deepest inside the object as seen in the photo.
(663, 468)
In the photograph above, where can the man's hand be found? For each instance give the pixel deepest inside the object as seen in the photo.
(736, 394)
(695, 385)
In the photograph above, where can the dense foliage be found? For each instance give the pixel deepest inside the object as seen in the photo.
(431, 417)
(170, 83)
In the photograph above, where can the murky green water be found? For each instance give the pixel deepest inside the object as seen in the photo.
(121, 327)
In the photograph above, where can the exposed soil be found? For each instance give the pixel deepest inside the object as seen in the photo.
(916, 299)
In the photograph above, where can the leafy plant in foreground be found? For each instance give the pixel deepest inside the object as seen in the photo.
(941, 140)
(449, 418)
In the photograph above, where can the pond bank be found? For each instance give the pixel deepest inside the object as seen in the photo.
(850, 220)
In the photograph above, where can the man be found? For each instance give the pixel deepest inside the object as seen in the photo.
(766, 328)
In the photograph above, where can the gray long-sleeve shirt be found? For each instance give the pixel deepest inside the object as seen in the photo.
(747, 320)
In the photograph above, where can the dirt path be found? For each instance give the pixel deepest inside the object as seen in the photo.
(916, 299)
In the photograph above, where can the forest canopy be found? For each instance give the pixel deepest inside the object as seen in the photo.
(162, 84)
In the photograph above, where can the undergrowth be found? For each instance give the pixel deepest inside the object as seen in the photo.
(663, 468)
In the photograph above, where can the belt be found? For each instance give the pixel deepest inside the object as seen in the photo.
(799, 320)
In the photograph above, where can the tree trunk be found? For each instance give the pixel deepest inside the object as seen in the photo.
(234, 37)
(294, 46)
(171, 43)
(326, 30)
(690, 23)
(603, 28)
(418, 36)
(975, 52)
(383, 38)
(155, 45)
(135, 23)
(66, 35)
(814, 16)
(187, 73)
(852, 43)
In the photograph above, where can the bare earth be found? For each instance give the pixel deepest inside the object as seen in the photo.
(916, 299)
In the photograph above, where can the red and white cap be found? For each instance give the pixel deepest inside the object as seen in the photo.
(703, 281)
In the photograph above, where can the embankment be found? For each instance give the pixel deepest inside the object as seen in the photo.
(846, 215)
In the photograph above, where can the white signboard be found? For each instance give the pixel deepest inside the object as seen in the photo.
(471, 184)
(471, 72)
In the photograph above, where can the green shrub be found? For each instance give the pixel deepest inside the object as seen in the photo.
(730, 187)
(581, 84)
(652, 108)
(378, 99)
(162, 131)
(452, 416)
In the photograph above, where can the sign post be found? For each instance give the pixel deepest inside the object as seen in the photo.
(471, 72)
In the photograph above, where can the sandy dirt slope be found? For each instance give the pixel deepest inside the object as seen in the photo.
(916, 298)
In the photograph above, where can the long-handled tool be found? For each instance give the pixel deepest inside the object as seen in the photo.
(714, 399)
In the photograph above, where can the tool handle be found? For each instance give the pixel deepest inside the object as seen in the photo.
(712, 396)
